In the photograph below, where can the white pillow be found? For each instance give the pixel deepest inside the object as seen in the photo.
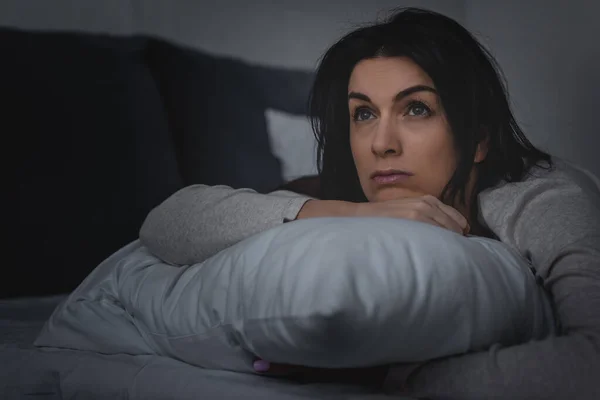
(331, 292)
(293, 142)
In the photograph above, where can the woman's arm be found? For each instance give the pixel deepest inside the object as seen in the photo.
(199, 221)
(558, 227)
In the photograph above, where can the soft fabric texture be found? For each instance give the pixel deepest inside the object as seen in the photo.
(552, 217)
(27, 372)
(199, 221)
(51, 374)
(326, 292)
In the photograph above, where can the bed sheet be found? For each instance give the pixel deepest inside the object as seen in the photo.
(22, 318)
(52, 374)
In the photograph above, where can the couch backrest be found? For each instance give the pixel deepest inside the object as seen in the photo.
(107, 127)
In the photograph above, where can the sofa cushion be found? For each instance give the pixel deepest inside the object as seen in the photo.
(92, 147)
(216, 107)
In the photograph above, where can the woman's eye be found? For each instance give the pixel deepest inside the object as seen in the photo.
(418, 109)
(362, 114)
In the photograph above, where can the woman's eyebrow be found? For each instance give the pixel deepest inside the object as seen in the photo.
(402, 94)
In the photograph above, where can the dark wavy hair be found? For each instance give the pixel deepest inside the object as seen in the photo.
(470, 85)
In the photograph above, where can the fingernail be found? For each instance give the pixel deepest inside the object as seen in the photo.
(261, 366)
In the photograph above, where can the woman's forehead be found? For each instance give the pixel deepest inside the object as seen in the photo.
(386, 76)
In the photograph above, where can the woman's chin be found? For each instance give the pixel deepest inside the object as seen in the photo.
(394, 193)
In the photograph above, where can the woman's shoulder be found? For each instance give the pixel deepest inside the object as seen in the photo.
(562, 197)
(561, 176)
(565, 172)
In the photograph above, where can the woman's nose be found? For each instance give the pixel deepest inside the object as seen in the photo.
(386, 140)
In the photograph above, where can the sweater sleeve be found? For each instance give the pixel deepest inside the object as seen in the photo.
(557, 226)
(199, 221)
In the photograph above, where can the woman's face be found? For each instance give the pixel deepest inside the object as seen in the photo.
(400, 139)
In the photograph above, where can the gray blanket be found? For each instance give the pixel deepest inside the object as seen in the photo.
(52, 374)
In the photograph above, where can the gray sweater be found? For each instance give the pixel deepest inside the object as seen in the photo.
(551, 217)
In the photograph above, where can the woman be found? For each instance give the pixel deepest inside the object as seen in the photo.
(412, 121)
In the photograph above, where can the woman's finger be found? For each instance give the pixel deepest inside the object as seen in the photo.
(448, 216)
(456, 216)
(262, 366)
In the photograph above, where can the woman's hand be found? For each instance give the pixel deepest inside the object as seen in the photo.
(412, 205)
(417, 207)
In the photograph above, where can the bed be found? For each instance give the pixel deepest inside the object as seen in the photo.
(27, 372)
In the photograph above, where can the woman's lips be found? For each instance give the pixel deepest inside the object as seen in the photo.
(390, 178)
